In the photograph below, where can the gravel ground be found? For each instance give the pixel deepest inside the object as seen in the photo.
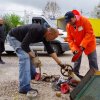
(9, 76)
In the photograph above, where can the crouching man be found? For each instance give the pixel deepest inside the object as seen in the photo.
(20, 38)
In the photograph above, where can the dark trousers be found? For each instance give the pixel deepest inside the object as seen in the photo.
(92, 57)
(0, 56)
(2, 48)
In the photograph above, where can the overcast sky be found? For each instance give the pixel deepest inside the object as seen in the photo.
(37, 5)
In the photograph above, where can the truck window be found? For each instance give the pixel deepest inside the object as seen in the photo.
(45, 24)
(38, 21)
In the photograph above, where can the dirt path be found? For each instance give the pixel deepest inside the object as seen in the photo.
(9, 77)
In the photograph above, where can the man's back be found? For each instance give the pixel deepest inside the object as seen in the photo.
(32, 29)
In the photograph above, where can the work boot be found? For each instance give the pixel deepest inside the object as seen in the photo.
(27, 92)
(32, 94)
(2, 62)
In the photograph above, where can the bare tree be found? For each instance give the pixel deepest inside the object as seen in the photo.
(51, 10)
(96, 12)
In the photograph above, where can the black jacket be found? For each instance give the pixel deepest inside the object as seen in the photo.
(2, 39)
(31, 33)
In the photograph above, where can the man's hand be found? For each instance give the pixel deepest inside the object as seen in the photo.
(75, 52)
(82, 48)
(32, 54)
(36, 62)
(62, 65)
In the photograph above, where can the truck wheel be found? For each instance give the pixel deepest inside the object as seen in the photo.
(56, 48)
(62, 52)
(9, 52)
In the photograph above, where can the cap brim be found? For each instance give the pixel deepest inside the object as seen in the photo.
(67, 20)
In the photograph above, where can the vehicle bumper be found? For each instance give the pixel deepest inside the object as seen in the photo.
(8, 47)
(65, 46)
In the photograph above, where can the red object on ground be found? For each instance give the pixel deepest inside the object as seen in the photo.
(76, 56)
(65, 88)
(37, 76)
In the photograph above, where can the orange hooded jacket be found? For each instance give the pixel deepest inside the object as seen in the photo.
(83, 35)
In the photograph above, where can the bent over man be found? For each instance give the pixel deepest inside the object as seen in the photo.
(20, 38)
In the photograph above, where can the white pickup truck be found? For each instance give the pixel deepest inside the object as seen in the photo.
(58, 44)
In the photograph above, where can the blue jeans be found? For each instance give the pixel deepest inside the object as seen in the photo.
(26, 69)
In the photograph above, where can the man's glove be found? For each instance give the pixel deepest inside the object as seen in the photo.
(36, 62)
(75, 52)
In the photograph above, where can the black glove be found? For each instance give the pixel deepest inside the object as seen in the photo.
(75, 52)
(62, 65)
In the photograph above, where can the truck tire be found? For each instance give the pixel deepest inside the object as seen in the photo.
(57, 49)
(62, 52)
(9, 52)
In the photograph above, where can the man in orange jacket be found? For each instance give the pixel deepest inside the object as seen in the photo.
(80, 36)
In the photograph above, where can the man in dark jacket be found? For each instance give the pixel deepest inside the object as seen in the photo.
(1, 40)
(20, 38)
